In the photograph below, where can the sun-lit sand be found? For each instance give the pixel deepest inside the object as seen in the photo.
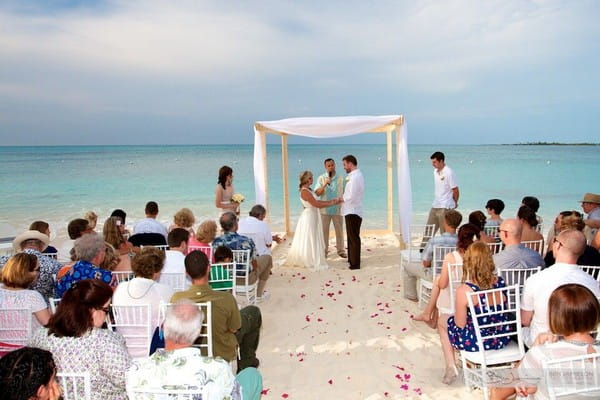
(342, 334)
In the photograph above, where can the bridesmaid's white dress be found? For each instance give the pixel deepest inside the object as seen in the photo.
(308, 247)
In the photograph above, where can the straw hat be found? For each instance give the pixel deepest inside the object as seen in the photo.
(591, 198)
(28, 235)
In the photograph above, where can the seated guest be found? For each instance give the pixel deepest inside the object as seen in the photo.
(121, 214)
(412, 271)
(78, 343)
(478, 219)
(33, 242)
(181, 366)
(478, 274)
(92, 219)
(494, 208)
(111, 258)
(567, 247)
(515, 255)
(596, 242)
(260, 265)
(591, 206)
(556, 227)
(206, 233)
(175, 256)
(113, 234)
(183, 219)
(223, 255)
(18, 274)
(90, 252)
(231, 327)
(28, 374)
(150, 224)
(573, 313)
(255, 227)
(534, 204)
(75, 229)
(144, 288)
(43, 227)
(529, 224)
(590, 255)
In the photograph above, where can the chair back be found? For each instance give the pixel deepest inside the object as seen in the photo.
(419, 236)
(243, 267)
(593, 270)
(495, 247)
(75, 385)
(134, 323)
(148, 239)
(536, 245)
(53, 303)
(175, 280)
(222, 277)
(496, 319)
(139, 393)
(454, 281)
(517, 276)
(204, 341)
(122, 276)
(439, 253)
(492, 231)
(15, 325)
(573, 376)
(162, 247)
(51, 255)
(208, 250)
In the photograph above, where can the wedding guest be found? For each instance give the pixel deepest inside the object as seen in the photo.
(206, 233)
(150, 224)
(515, 254)
(590, 255)
(113, 234)
(225, 191)
(43, 227)
(529, 225)
(29, 373)
(20, 271)
(255, 227)
(75, 229)
(33, 242)
(533, 203)
(446, 191)
(111, 258)
(78, 343)
(478, 219)
(184, 219)
(573, 313)
(92, 219)
(494, 208)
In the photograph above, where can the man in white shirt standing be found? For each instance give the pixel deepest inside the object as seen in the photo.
(567, 247)
(352, 208)
(257, 229)
(446, 191)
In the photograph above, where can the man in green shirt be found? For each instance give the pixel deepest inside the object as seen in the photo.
(230, 327)
(331, 186)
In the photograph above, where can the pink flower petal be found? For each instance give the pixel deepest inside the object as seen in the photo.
(307, 318)
(302, 296)
(407, 376)
(285, 395)
(265, 391)
(319, 320)
(405, 387)
(330, 381)
(339, 292)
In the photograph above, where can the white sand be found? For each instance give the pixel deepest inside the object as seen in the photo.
(342, 334)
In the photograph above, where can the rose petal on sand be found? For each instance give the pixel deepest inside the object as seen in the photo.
(330, 381)
(307, 318)
(339, 292)
(285, 395)
(407, 376)
(374, 315)
(302, 296)
(265, 391)
(405, 387)
(349, 306)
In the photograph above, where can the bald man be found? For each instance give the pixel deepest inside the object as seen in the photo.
(515, 255)
(567, 247)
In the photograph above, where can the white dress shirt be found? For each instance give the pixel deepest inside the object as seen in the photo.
(353, 194)
(150, 225)
(259, 232)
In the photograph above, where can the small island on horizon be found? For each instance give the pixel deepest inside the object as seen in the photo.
(553, 144)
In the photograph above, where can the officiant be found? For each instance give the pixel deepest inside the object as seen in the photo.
(331, 186)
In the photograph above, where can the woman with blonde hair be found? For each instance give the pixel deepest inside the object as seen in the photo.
(479, 273)
(113, 234)
(573, 220)
(308, 247)
(206, 233)
(184, 219)
(19, 272)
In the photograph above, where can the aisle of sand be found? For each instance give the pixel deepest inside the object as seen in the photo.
(342, 334)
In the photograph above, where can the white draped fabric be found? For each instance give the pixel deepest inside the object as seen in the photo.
(333, 127)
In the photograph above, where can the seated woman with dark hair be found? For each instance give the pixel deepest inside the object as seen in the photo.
(529, 223)
(478, 219)
(20, 271)
(573, 312)
(494, 208)
(27, 374)
(144, 288)
(590, 255)
(43, 227)
(75, 337)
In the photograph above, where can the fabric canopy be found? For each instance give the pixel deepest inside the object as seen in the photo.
(333, 127)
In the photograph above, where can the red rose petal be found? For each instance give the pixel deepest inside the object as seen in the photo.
(330, 381)
(349, 306)
(265, 391)
(285, 395)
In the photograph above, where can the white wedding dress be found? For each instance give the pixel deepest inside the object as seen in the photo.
(308, 247)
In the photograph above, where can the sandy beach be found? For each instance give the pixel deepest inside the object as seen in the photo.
(348, 334)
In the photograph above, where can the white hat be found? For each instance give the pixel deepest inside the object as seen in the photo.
(28, 235)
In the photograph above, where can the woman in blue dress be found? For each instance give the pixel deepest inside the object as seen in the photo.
(478, 274)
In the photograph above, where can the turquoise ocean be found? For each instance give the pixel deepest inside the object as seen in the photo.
(59, 183)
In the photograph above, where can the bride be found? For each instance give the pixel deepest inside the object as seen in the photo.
(308, 248)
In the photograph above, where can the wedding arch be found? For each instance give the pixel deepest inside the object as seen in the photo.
(334, 127)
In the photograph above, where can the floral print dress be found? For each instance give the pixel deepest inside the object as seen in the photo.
(466, 339)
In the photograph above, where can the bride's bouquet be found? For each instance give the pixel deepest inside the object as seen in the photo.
(238, 198)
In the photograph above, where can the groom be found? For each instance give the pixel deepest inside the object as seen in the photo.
(352, 208)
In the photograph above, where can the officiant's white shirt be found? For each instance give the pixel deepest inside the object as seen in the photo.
(353, 194)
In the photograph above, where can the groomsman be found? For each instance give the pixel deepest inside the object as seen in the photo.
(331, 186)
(352, 208)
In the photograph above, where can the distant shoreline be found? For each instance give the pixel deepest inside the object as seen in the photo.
(551, 144)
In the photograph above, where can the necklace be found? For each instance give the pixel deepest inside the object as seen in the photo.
(143, 295)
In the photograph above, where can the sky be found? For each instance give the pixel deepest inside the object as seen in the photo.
(202, 72)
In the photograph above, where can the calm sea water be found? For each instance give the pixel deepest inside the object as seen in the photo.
(60, 183)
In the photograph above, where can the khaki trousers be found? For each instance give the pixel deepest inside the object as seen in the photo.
(338, 225)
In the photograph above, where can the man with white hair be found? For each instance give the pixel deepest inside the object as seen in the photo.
(515, 255)
(181, 366)
(567, 247)
(34, 242)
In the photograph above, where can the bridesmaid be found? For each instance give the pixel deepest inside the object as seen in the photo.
(225, 190)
